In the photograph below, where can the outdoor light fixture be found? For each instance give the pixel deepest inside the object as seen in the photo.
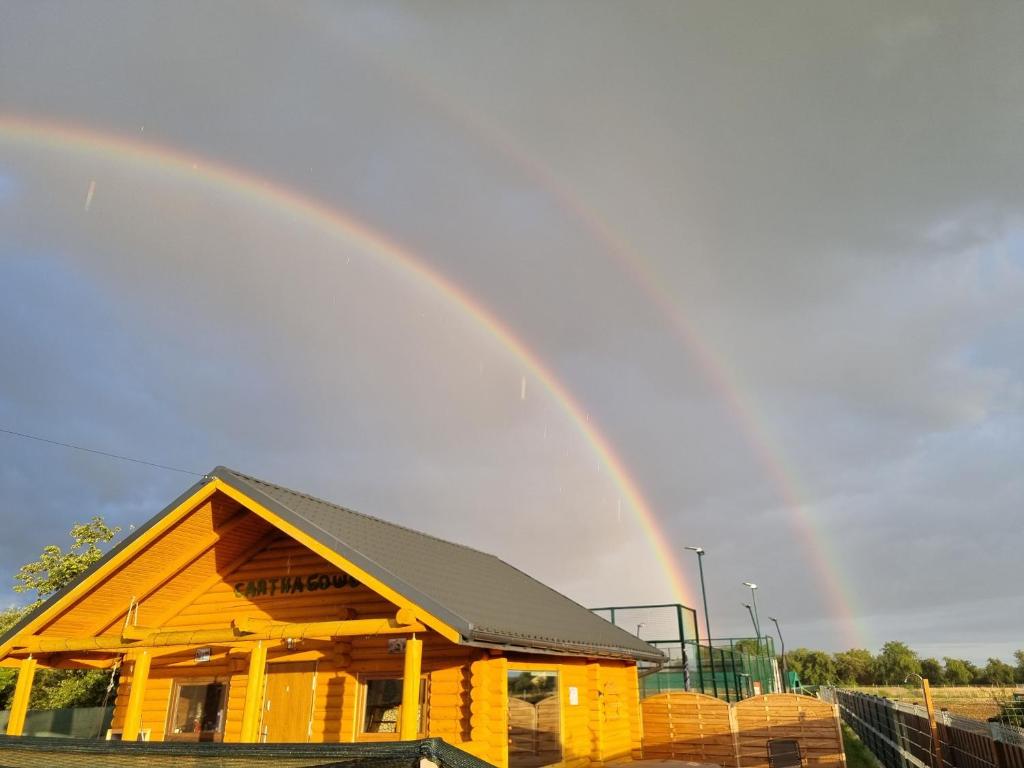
(638, 626)
(753, 621)
(707, 618)
(753, 597)
(785, 682)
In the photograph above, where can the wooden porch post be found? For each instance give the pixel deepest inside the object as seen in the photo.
(137, 694)
(254, 694)
(22, 691)
(410, 724)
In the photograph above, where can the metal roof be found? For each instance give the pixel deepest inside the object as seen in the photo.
(486, 600)
(479, 595)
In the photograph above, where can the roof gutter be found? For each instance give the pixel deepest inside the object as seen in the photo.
(490, 640)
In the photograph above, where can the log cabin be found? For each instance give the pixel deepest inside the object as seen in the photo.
(248, 612)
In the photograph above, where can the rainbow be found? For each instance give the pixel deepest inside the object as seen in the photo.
(42, 134)
(724, 380)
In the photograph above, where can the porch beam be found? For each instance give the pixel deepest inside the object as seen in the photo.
(410, 723)
(22, 692)
(136, 696)
(253, 708)
(191, 637)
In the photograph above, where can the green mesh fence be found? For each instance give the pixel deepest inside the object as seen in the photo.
(728, 668)
(32, 752)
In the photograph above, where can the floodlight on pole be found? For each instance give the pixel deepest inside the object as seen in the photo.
(785, 682)
(707, 618)
(750, 610)
(753, 597)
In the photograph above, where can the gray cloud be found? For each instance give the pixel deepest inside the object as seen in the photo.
(828, 194)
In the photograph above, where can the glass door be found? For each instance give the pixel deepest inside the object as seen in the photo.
(534, 719)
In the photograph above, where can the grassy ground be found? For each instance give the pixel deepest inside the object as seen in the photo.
(977, 702)
(857, 755)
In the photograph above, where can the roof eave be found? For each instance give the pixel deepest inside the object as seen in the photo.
(483, 639)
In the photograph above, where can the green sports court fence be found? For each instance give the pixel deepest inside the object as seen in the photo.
(730, 668)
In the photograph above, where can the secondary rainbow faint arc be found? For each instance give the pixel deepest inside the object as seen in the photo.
(61, 137)
(724, 381)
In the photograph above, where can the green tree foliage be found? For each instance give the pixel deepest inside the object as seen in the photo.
(932, 669)
(896, 663)
(957, 672)
(855, 667)
(997, 672)
(53, 570)
(813, 667)
(749, 646)
(1019, 656)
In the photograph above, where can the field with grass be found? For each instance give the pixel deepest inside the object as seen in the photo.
(857, 755)
(974, 701)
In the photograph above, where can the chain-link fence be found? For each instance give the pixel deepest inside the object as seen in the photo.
(728, 668)
(900, 736)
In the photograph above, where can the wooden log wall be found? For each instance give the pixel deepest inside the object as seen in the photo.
(220, 562)
(700, 728)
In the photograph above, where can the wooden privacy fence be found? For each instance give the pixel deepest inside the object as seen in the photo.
(899, 734)
(703, 729)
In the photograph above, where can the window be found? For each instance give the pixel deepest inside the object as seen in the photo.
(197, 711)
(382, 705)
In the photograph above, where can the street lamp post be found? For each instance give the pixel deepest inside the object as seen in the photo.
(785, 682)
(638, 627)
(753, 621)
(707, 617)
(753, 597)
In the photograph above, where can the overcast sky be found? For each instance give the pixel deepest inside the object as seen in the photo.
(774, 251)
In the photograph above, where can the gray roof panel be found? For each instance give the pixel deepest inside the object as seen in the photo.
(482, 597)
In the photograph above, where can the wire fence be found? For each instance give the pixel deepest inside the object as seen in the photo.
(730, 668)
(900, 734)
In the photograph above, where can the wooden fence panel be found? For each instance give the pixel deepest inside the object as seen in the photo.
(813, 723)
(703, 729)
(688, 726)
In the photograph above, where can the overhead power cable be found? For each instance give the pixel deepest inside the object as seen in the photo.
(100, 453)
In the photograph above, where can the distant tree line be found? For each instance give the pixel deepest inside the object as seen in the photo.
(894, 664)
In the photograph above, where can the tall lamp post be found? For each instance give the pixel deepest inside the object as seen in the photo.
(707, 617)
(753, 621)
(753, 598)
(785, 682)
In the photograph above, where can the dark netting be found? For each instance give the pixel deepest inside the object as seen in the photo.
(31, 752)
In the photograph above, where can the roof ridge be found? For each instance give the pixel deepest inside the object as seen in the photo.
(356, 512)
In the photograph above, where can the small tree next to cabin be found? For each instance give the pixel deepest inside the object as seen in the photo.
(53, 570)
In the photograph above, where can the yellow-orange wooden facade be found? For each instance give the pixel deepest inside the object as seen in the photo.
(220, 562)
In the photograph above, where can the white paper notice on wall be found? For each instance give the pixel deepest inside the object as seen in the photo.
(574, 696)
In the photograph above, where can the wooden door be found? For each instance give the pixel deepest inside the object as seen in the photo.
(288, 702)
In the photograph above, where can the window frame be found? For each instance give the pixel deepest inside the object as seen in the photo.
(196, 736)
(360, 724)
